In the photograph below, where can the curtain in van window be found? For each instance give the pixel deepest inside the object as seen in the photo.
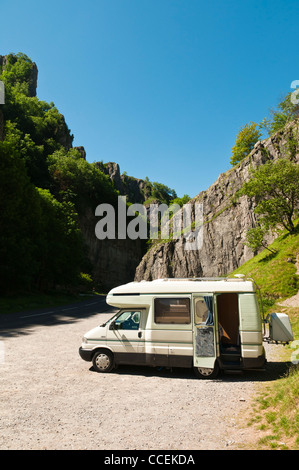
(209, 303)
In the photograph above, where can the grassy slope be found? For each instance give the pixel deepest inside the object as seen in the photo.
(275, 274)
(276, 411)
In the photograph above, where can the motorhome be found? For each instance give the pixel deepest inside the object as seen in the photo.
(205, 324)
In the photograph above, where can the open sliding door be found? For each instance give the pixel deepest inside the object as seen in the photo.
(204, 334)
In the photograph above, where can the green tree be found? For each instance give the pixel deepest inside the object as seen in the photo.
(76, 180)
(40, 242)
(247, 137)
(274, 187)
(255, 239)
(17, 72)
(61, 245)
(38, 126)
(162, 193)
(32, 154)
(20, 213)
(181, 201)
(286, 111)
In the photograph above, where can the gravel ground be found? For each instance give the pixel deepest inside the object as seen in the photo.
(52, 399)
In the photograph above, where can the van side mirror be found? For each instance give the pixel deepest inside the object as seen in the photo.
(113, 326)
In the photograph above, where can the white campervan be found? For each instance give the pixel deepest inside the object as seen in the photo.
(207, 324)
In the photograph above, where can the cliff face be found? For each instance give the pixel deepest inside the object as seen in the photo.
(226, 219)
(128, 186)
(113, 262)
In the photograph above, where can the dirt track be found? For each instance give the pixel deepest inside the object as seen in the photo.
(51, 399)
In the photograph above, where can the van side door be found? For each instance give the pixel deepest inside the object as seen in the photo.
(204, 331)
(126, 336)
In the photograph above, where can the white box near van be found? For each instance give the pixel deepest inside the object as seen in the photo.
(207, 324)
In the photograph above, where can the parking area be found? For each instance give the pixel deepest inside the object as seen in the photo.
(52, 399)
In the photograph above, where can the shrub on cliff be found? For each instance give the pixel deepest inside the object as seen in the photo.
(247, 137)
(286, 111)
(76, 180)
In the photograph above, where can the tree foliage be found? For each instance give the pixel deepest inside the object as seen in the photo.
(76, 180)
(158, 192)
(37, 127)
(286, 111)
(60, 242)
(274, 186)
(247, 137)
(17, 73)
(19, 214)
(255, 239)
(43, 186)
(40, 242)
(162, 193)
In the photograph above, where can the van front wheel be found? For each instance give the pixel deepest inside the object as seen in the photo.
(103, 361)
(205, 373)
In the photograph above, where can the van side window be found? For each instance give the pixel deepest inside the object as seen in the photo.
(172, 310)
(203, 310)
(128, 320)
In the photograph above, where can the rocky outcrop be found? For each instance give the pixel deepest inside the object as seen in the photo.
(227, 219)
(129, 186)
(82, 151)
(31, 79)
(32, 83)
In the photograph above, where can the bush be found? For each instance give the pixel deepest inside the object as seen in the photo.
(247, 137)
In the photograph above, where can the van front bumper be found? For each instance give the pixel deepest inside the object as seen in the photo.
(85, 354)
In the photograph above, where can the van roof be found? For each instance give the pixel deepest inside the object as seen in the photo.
(185, 285)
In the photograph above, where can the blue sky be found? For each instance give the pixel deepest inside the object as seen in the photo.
(161, 87)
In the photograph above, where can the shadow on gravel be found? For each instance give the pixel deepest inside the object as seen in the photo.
(273, 371)
(23, 323)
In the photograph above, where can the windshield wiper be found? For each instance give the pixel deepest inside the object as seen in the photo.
(109, 320)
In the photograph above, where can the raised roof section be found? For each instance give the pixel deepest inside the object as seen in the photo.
(184, 285)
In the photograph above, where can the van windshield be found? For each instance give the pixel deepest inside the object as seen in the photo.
(110, 319)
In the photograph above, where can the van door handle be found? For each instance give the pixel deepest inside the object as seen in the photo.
(139, 334)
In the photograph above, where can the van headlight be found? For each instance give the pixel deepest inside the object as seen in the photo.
(84, 340)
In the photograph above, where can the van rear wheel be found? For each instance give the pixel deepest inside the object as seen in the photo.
(206, 373)
(103, 361)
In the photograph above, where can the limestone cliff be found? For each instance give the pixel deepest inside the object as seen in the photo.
(226, 219)
(133, 188)
(113, 262)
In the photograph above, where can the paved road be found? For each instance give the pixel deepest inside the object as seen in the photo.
(16, 322)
